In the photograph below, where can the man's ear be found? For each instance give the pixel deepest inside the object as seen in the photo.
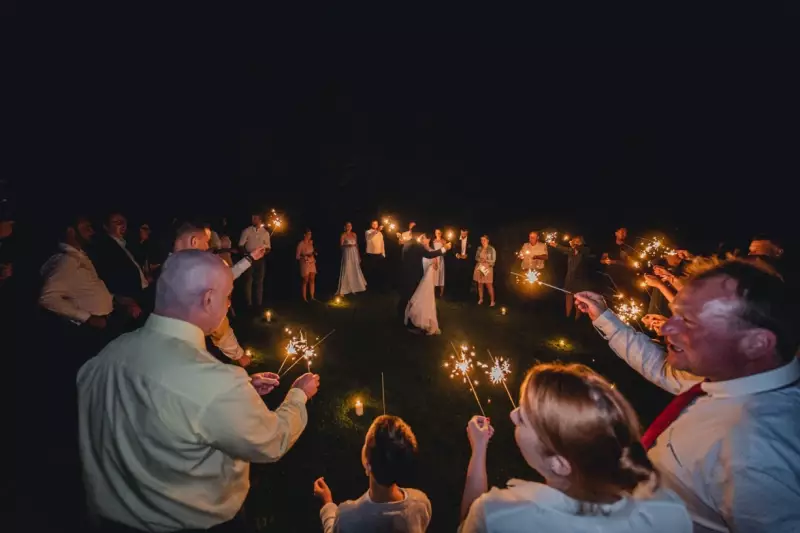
(559, 466)
(758, 342)
(207, 298)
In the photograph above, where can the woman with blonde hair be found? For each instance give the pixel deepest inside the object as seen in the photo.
(582, 436)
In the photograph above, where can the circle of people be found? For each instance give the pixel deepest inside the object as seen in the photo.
(167, 432)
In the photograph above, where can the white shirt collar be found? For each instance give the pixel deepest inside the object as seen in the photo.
(119, 240)
(765, 381)
(179, 329)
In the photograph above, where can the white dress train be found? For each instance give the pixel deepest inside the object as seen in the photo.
(421, 308)
(351, 279)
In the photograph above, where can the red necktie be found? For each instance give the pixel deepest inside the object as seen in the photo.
(670, 413)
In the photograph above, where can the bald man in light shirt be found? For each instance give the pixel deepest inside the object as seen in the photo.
(167, 432)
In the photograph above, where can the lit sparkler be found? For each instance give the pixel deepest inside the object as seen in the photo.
(275, 221)
(498, 372)
(389, 223)
(461, 365)
(550, 237)
(628, 310)
(654, 248)
(306, 352)
(532, 277)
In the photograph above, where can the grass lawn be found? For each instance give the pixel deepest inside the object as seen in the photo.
(370, 340)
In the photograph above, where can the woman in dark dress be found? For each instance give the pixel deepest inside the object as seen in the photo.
(578, 264)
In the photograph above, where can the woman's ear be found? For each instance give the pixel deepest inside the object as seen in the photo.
(559, 466)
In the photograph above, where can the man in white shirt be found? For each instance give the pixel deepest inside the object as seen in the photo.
(376, 253)
(191, 237)
(167, 432)
(71, 288)
(254, 237)
(533, 253)
(729, 444)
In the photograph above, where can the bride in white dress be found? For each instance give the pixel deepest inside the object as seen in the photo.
(421, 308)
(351, 280)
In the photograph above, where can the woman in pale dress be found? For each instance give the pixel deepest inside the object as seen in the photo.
(582, 436)
(308, 264)
(484, 270)
(351, 279)
(438, 243)
(421, 308)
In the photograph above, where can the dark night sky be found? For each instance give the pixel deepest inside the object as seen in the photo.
(684, 118)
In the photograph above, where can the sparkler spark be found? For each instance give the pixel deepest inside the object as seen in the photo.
(550, 237)
(628, 311)
(498, 372)
(461, 365)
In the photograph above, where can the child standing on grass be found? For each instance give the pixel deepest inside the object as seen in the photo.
(389, 451)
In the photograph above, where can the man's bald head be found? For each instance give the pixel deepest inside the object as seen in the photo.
(195, 287)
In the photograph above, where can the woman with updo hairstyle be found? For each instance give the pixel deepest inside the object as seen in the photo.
(582, 436)
(388, 455)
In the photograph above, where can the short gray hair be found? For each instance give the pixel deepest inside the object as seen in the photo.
(185, 277)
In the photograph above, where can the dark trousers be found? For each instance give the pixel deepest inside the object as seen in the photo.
(374, 268)
(254, 283)
(236, 525)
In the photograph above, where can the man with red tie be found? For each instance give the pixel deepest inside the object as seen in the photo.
(729, 443)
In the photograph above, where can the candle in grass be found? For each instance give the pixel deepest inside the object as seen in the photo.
(268, 316)
(503, 310)
(359, 408)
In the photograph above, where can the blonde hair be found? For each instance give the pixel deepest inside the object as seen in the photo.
(580, 416)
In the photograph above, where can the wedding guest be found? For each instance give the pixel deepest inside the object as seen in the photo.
(73, 291)
(461, 269)
(581, 435)
(189, 236)
(729, 443)
(351, 280)
(115, 263)
(484, 270)
(577, 278)
(533, 253)
(254, 237)
(308, 264)
(375, 256)
(167, 432)
(389, 453)
(439, 242)
(619, 262)
(214, 242)
(407, 235)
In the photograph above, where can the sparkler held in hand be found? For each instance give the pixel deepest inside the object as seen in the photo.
(498, 372)
(462, 364)
(275, 222)
(532, 277)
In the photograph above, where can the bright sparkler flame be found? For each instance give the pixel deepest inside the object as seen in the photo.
(463, 364)
(629, 311)
(532, 276)
(550, 237)
(499, 370)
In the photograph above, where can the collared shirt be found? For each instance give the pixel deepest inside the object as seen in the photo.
(734, 455)
(410, 515)
(254, 238)
(463, 245)
(529, 251)
(124, 246)
(72, 288)
(167, 432)
(529, 506)
(375, 244)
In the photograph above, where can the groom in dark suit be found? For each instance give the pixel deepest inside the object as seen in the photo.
(411, 272)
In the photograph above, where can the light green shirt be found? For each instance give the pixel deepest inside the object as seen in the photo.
(167, 432)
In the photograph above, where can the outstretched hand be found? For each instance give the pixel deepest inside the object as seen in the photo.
(322, 491)
(590, 303)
